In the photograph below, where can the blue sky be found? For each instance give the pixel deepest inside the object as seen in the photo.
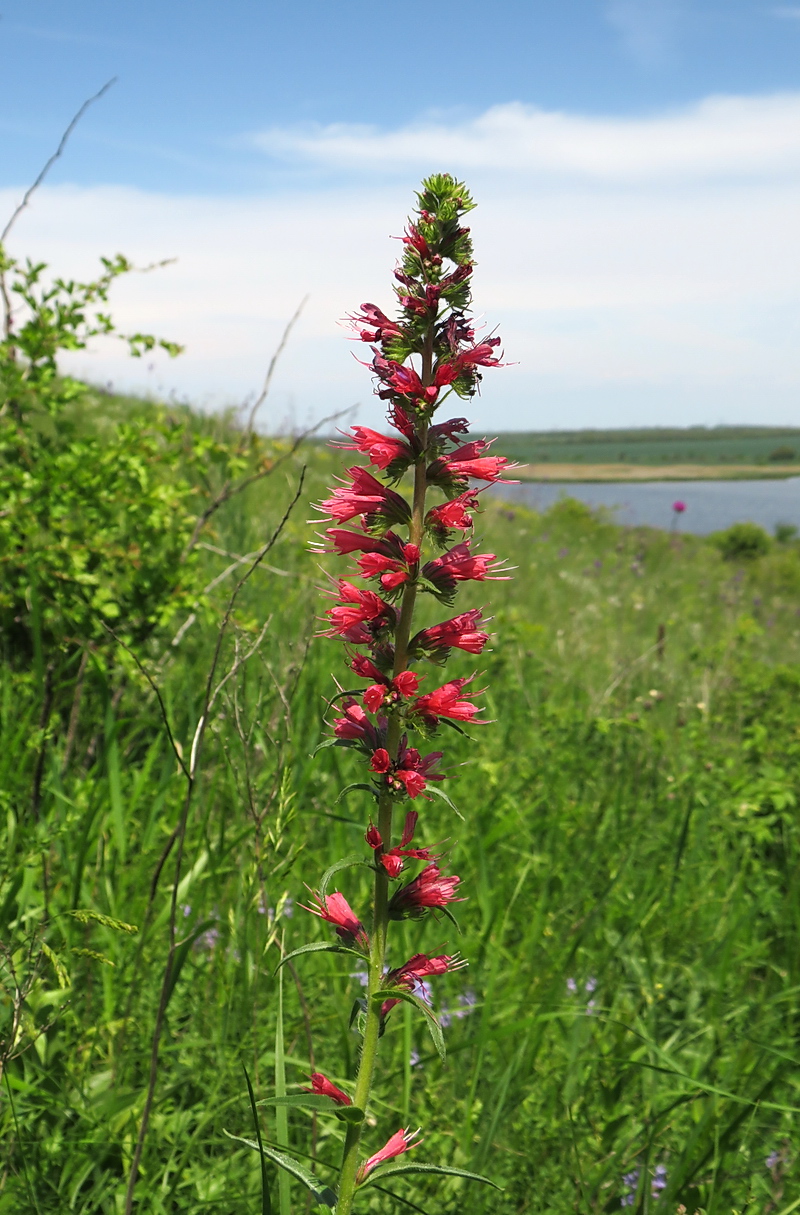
(638, 162)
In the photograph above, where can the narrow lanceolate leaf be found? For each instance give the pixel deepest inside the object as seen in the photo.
(441, 793)
(400, 993)
(320, 947)
(266, 1201)
(356, 785)
(347, 862)
(321, 1192)
(399, 1170)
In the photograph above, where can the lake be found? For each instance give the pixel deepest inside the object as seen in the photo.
(710, 505)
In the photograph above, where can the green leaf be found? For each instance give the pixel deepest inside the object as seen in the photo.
(266, 1202)
(440, 793)
(400, 993)
(312, 1101)
(320, 947)
(347, 862)
(317, 1101)
(182, 953)
(356, 785)
(323, 1193)
(442, 1170)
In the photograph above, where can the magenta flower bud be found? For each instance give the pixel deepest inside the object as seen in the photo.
(322, 1085)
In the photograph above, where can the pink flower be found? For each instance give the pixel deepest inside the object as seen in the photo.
(429, 891)
(390, 692)
(461, 632)
(459, 565)
(453, 514)
(445, 702)
(322, 1085)
(393, 861)
(467, 461)
(335, 909)
(371, 315)
(679, 507)
(345, 541)
(409, 773)
(381, 449)
(358, 608)
(365, 496)
(399, 1143)
(421, 967)
(449, 430)
(356, 726)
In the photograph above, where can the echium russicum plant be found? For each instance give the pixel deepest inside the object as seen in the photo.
(403, 549)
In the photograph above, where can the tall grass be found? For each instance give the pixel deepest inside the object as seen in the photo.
(629, 849)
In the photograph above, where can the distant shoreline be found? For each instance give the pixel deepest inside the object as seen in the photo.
(655, 472)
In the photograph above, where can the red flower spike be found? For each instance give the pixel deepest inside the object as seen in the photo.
(422, 967)
(459, 564)
(322, 1085)
(428, 892)
(399, 1143)
(335, 909)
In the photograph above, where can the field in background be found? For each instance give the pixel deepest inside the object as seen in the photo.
(655, 453)
(629, 853)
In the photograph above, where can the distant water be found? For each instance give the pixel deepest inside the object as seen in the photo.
(710, 505)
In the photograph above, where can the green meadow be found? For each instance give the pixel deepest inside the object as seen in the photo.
(625, 1036)
(704, 445)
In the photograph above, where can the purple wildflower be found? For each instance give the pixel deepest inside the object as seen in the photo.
(572, 986)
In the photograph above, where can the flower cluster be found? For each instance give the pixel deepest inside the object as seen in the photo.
(402, 546)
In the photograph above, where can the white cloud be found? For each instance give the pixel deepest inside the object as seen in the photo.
(640, 270)
(720, 137)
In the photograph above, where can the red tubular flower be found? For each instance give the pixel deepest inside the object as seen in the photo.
(461, 633)
(460, 565)
(445, 702)
(467, 461)
(409, 773)
(365, 496)
(453, 514)
(421, 967)
(428, 892)
(371, 315)
(345, 541)
(399, 1143)
(382, 450)
(449, 430)
(335, 909)
(356, 726)
(358, 608)
(322, 1085)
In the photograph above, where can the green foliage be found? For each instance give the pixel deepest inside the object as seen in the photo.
(91, 530)
(729, 445)
(629, 855)
(742, 542)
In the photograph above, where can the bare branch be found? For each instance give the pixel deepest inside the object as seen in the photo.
(262, 396)
(31, 190)
(229, 489)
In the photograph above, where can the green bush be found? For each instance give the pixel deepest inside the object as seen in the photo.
(742, 542)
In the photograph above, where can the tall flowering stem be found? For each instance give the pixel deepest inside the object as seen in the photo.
(403, 549)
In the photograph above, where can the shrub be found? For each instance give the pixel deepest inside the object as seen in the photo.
(742, 542)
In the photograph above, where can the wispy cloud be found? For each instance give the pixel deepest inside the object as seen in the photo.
(640, 270)
(647, 28)
(721, 136)
(72, 37)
